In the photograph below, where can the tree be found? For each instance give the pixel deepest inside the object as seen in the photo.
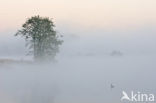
(41, 38)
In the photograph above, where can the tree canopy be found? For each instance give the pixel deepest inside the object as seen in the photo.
(41, 38)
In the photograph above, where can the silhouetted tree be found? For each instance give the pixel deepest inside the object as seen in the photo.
(41, 38)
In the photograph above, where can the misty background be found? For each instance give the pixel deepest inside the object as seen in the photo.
(93, 41)
(87, 65)
(105, 42)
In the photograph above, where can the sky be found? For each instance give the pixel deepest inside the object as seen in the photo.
(87, 25)
(104, 14)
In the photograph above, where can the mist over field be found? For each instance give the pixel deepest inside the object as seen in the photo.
(109, 49)
(88, 63)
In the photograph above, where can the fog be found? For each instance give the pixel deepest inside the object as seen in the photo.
(88, 63)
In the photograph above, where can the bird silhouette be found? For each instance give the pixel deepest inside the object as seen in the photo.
(125, 96)
(112, 86)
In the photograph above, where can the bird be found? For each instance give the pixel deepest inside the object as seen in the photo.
(125, 96)
(112, 86)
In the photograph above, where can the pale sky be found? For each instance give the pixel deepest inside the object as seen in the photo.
(86, 13)
(126, 25)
